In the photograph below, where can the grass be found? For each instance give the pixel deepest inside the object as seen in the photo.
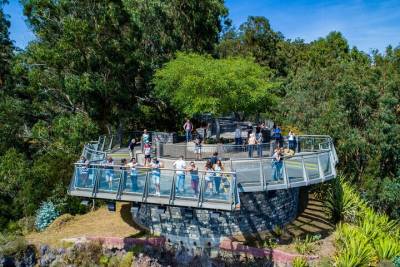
(99, 223)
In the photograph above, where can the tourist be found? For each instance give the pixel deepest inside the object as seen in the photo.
(214, 158)
(292, 140)
(197, 147)
(277, 164)
(277, 135)
(155, 174)
(84, 171)
(249, 130)
(194, 174)
(208, 176)
(238, 135)
(259, 145)
(218, 169)
(133, 174)
(131, 147)
(145, 137)
(251, 144)
(147, 153)
(188, 127)
(110, 172)
(180, 166)
(258, 131)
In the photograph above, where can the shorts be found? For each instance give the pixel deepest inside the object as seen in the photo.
(147, 156)
(155, 179)
(197, 150)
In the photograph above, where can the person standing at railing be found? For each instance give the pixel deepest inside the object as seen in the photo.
(238, 135)
(251, 144)
(147, 153)
(194, 175)
(123, 169)
(133, 174)
(259, 144)
(197, 147)
(110, 172)
(218, 169)
(208, 176)
(156, 174)
(292, 140)
(145, 136)
(180, 166)
(188, 127)
(214, 158)
(131, 147)
(277, 135)
(276, 159)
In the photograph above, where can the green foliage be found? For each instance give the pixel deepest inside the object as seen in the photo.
(127, 259)
(396, 261)
(306, 245)
(196, 84)
(46, 214)
(87, 254)
(12, 245)
(300, 262)
(341, 202)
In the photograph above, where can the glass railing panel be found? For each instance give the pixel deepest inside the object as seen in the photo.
(325, 161)
(135, 181)
(248, 172)
(160, 182)
(84, 178)
(311, 164)
(187, 185)
(294, 169)
(217, 186)
(109, 178)
(273, 171)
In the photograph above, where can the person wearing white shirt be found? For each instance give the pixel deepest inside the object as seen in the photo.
(180, 166)
(238, 135)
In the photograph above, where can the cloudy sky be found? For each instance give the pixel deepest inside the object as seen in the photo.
(365, 24)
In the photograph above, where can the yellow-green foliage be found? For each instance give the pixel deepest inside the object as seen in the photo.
(300, 262)
(127, 260)
(369, 239)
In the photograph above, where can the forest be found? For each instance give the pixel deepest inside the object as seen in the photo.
(96, 67)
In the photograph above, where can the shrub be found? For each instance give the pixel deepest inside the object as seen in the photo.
(396, 261)
(354, 248)
(45, 215)
(12, 245)
(305, 246)
(386, 248)
(87, 254)
(300, 262)
(342, 202)
(127, 260)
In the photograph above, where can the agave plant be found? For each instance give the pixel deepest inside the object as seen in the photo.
(386, 248)
(354, 248)
(342, 203)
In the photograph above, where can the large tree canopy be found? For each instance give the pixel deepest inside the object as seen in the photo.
(197, 84)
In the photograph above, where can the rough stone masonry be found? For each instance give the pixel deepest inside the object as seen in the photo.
(259, 212)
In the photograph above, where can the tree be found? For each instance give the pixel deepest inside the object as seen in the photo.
(196, 84)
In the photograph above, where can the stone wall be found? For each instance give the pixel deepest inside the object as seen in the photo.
(259, 212)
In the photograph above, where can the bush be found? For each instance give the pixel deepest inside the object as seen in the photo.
(307, 245)
(127, 260)
(300, 262)
(45, 215)
(342, 202)
(87, 254)
(396, 261)
(12, 245)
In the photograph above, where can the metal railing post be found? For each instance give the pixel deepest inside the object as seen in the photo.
(285, 175)
(304, 171)
(262, 178)
(173, 190)
(146, 187)
(321, 172)
(201, 192)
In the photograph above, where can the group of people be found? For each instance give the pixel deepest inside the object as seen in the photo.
(213, 174)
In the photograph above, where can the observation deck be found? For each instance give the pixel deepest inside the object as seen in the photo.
(314, 162)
